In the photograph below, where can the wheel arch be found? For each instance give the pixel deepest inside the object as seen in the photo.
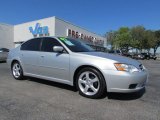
(14, 60)
(82, 67)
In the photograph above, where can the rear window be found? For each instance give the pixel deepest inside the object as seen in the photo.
(32, 45)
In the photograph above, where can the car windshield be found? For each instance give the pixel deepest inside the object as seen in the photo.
(76, 45)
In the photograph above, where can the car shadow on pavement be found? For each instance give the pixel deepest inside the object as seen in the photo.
(115, 96)
(126, 96)
(52, 83)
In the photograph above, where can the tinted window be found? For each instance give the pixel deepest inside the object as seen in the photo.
(48, 44)
(32, 45)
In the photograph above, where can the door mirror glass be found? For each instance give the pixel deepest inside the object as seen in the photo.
(58, 49)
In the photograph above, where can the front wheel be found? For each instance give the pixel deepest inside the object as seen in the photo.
(90, 83)
(17, 71)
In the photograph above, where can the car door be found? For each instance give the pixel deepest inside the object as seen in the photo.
(5, 53)
(53, 64)
(29, 55)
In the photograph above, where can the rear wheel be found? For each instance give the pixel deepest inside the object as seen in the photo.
(90, 83)
(17, 71)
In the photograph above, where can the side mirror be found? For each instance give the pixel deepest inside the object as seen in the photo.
(58, 49)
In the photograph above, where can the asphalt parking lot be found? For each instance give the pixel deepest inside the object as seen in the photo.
(35, 99)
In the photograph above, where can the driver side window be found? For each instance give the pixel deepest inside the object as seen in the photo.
(48, 44)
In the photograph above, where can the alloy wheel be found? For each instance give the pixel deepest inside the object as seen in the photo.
(88, 83)
(16, 69)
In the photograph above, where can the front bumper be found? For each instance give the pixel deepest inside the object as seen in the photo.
(125, 82)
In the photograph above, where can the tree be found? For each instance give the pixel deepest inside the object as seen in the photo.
(138, 35)
(123, 39)
(110, 37)
(157, 41)
(149, 40)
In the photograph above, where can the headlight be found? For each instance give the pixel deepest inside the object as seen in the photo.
(144, 68)
(126, 67)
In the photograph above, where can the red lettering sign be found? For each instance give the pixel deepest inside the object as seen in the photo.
(90, 39)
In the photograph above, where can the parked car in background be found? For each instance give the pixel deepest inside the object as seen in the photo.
(3, 54)
(127, 54)
(118, 52)
(146, 56)
(74, 63)
(138, 56)
(149, 56)
(152, 56)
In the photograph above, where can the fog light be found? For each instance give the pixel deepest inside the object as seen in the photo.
(132, 86)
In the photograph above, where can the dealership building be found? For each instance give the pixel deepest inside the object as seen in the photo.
(13, 35)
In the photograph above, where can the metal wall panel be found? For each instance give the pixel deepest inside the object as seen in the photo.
(6, 36)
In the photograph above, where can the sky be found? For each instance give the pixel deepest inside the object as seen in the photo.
(99, 16)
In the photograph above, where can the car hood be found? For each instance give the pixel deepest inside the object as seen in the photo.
(115, 58)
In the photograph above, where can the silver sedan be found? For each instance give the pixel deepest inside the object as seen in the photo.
(3, 54)
(74, 63)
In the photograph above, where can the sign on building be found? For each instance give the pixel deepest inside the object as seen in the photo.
(39, 31)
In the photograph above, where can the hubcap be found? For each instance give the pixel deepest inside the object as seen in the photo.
(88, 83)
(16, 70)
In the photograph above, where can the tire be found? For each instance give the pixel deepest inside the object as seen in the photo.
(17, 71)
(90, 83)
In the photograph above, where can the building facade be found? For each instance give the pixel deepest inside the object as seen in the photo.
(6, 36)
(53, 26)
